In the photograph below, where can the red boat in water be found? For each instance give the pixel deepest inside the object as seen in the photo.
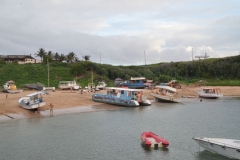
(150, 139)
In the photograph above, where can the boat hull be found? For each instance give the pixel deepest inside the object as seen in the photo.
(220, 146)
(27, 104)
(151, 140)
(14, 91)
(161, 98)
(118, 101)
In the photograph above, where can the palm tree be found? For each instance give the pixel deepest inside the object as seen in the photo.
(41, 53)
(62, 57)
(50, 54)
(70, 57)
(56, 56)
(86, 57)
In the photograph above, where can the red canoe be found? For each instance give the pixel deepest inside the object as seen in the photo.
(152, 140)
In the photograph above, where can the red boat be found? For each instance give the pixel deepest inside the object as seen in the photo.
(150, 139)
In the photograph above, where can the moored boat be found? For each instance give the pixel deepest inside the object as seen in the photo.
(135, 83)
(122, 96)
(165, 94)
(32, 101)
(212, 93)
(151, 140)
(101, 85)
(10, 87)
(69, 85)
(226, 147)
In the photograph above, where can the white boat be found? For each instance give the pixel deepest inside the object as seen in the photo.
(210, 93)
(122, 97)
(69, 85)
(226, 147)
(32, 101)
(10, 87)
(165, 94)
(101, 85)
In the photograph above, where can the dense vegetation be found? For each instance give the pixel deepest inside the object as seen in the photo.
(219, 71)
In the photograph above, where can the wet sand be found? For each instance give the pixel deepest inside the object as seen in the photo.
(66, 102)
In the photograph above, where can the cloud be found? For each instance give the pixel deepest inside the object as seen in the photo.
(121, 32)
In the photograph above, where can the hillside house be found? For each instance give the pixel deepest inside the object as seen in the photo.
(21, 59)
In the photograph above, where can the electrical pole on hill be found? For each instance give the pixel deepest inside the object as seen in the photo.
(100, 57)
(192, 54)
(145, 58)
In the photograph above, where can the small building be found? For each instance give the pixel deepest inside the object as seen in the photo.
(21, 59)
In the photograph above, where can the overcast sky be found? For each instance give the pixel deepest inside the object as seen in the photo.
(122, 32)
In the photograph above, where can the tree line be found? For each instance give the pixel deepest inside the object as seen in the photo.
(51, 56)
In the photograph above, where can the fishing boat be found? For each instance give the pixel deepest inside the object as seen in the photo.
(122, 96)
(226, 147)
(135, 82)
(69, 85)
(10, 87)
(165, 94)
(151, 140)
(212, 93)
(32, 101)
(101, 85)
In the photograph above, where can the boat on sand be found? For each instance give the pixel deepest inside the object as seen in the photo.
(32, 101)
(151, 140)
(165, 94)
(226, 147)
(10, 87)
(122, 96)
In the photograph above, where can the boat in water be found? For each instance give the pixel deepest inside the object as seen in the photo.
(122, 97)
(69, 85)
(101, 85)
(135, 83)
(212, 93)
(226, 147)
(32, 101)
(10, 87)
(165, 94)
(151, 140)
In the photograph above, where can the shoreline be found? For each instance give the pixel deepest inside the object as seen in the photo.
(66, 102)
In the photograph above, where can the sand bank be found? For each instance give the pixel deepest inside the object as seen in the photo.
(74, 102)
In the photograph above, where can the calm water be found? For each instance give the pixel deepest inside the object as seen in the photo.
(115, 134)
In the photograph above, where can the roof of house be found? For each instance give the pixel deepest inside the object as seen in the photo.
(15, 56)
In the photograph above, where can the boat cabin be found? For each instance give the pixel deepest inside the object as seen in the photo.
(165, 90)
(212, 90)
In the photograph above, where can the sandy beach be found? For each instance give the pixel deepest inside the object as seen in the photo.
(64, 99)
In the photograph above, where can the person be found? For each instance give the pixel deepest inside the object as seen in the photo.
(51, 108)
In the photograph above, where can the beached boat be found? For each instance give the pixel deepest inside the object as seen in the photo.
(122, 96)
(32, 101)
(210, 93)
(37, 86)
(69, 85)
(134, 82)
(226, 147)
(165, 94)
(151, 140)
(10, 87)
(101, 85)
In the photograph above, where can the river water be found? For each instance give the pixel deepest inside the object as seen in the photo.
(115, 134)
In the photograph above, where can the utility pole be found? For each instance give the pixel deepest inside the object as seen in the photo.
(145, 57)
(100, 57)
(192, 54)
(48, 71)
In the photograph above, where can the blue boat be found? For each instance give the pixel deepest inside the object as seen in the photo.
(135, 82)
(122, 97)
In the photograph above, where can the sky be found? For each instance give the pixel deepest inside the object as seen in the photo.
(122, 32)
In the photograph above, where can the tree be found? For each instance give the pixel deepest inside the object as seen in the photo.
(41, 53)
(62, 57)
(86, 57)
(70, 57)
(56, 56)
